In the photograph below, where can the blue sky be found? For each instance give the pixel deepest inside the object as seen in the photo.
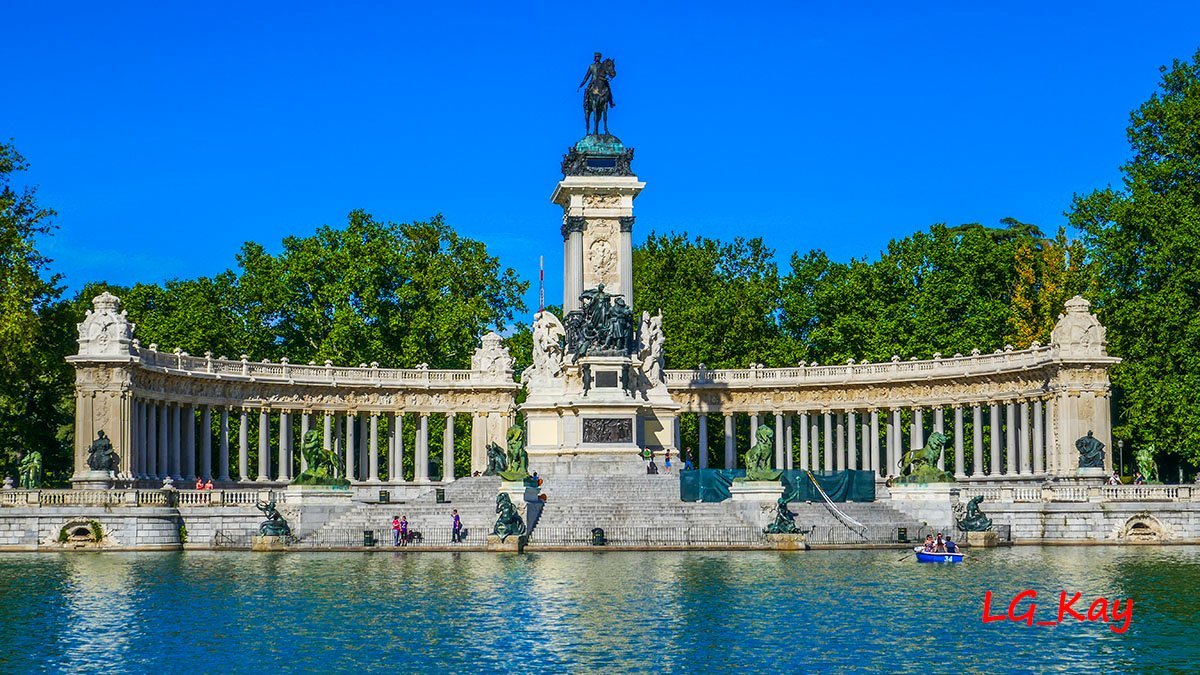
(166, 134)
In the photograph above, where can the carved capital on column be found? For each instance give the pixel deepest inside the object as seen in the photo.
(571, 224)
(626, 223)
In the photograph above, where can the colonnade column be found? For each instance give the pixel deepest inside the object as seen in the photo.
(995, 436)
(1023, 427)
(350, 446)
(702, 451)
(976, 440)
(779, 440)
(916, 430)
(840, 441)
(448, 449)
(422, 459)
(828, 440)
(939, 426)
(284, 469)
(803, 441)
(396, 445)
(789, 425)
(223, 457)
(852, 448)
(891, 445)
(1010, 438)
(243, 446)
(206, 442)
(960, 460)
(152, 441)
(730, 458)
(814, 437)
(176, 438)
(363, 440)
(753, 428)
(264, 446)
(373, 463)
(875, 441)
(305, 426)
(187, 430)
(1051, 449)
(1039, 466)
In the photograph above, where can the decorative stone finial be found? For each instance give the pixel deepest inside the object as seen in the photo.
(492, 357)
(106, 330)
(1078, 331)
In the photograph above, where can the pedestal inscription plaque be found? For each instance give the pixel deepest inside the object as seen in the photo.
(607, 430)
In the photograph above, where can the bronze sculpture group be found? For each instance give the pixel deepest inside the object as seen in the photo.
(101, 456)
(1091, 452)
(920, 465)
(970, 518)
(785, 520)
(511, 463)
(602, 326)
(274, 525)
(323, 465)
(508, 521)
(758, 457)
(30, 470)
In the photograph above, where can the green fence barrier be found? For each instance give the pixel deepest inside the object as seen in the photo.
(712, 485)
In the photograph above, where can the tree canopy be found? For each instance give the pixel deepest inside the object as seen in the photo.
(1144, 240)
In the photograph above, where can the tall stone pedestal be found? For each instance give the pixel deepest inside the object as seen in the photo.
(983, 539)
(511, 544)
(766, 491)
(93, 480)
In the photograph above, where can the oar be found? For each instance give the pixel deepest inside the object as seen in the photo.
(907, 556)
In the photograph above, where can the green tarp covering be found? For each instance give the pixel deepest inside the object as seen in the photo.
(712, 485)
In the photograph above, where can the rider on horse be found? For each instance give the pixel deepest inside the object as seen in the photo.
(598, 98)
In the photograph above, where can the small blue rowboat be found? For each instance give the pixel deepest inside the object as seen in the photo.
(922, 556)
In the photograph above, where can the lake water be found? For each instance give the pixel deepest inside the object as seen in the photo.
(555, 612)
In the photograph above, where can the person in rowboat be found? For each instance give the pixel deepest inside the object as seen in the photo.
(951, 547)
(929, 543)
(939, 546)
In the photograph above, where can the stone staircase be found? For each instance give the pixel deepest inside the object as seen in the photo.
(640, 508)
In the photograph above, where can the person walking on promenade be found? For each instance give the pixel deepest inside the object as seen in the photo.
(395, 530)
(456, 533)
(404, 530)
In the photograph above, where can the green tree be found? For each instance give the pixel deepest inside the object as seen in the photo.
(720, 301)
(35, 383)
(1144, 239)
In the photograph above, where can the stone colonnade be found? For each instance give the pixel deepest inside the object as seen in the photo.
(1009, 414)
(176, 415)
(186, 441)
(1012, 438)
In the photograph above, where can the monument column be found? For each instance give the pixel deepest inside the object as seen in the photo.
(626, 247)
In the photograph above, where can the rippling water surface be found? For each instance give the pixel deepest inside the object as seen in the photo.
(688, 612)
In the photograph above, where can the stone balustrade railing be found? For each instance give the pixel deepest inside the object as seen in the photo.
(1076, 493)
(132, 498)
(955, 366)
(180, 363)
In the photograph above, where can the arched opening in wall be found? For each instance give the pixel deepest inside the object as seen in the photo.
(1143, 529)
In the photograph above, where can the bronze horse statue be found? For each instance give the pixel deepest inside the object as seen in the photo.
(597, 99)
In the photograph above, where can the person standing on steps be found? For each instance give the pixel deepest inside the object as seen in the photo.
(395, 530)
(667, 462)
(404, 530)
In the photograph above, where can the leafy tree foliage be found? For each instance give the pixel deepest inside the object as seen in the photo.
(948, 290)
(720, 300)
(35, 382)
(396, 294)
(1144, 239)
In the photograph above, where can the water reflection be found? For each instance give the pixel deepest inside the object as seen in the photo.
(583, 611)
